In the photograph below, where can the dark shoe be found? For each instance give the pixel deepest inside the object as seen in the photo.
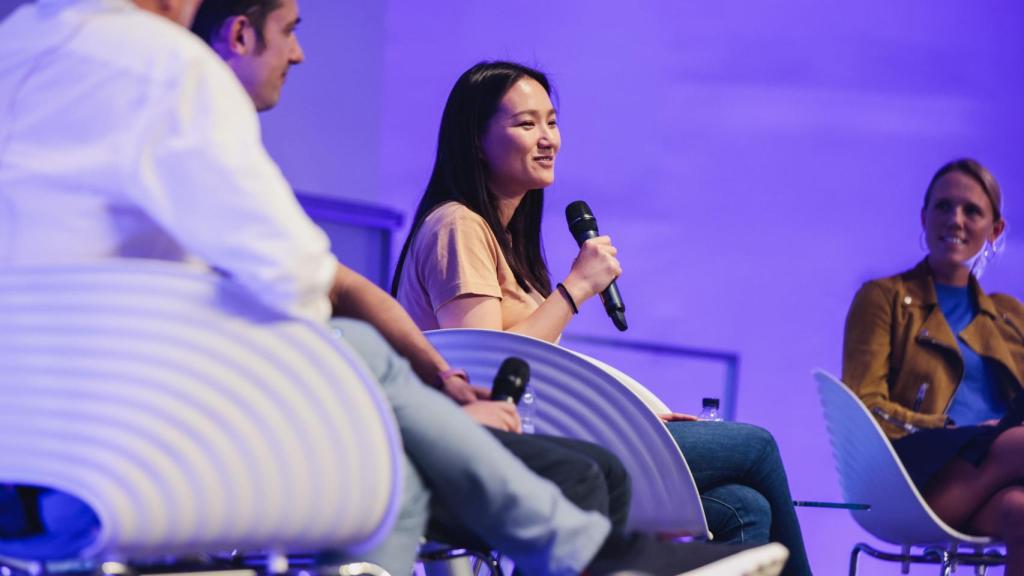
(641, 554)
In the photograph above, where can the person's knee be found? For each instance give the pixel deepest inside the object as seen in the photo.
(583, 483)
(760, 438)
(589, 490)
(612, 468)
(737, 514)
(1011, 513)
(756, 514)
(1008, 446)
(761, 445)
(723, 521)
(618, 485)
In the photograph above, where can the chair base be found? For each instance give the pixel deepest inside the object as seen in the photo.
(947, 557)
(117, 568)
(480, 558)
(227, 565)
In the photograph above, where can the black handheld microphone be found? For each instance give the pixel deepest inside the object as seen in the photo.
(583, 227)
(511, 380)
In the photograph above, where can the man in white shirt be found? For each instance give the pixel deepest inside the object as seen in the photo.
(123, 136)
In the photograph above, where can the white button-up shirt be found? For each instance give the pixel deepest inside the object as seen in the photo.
(122, 135)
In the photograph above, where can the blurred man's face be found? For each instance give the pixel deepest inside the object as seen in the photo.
(263, 69)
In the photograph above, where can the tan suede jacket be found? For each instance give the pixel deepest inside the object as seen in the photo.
(897, 340)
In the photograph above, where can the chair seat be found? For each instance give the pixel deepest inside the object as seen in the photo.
(188, 416)
(871, 473)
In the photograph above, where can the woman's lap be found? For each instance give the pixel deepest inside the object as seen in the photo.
(726, 452)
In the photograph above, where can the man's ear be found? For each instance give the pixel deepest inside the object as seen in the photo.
(236, 36)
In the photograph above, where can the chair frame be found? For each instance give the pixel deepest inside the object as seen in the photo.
(948, 558)
(896, 512)
(445, 553)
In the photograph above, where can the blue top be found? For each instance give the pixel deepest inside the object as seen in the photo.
(977, 398)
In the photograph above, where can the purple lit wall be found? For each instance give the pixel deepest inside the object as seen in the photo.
(754, 162)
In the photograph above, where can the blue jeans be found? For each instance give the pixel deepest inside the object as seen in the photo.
(743, 486)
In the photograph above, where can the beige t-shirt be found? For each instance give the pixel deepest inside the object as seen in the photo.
(456, 254)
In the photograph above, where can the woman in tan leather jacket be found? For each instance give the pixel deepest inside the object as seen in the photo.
(941, 364)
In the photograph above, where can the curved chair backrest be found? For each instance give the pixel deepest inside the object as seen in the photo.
(871, 473)
(579, 399)
(646, 396)
(187, 415)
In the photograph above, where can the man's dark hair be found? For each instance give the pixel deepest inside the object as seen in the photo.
(213, 13)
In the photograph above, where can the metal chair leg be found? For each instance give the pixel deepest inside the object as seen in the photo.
(277, 564)
(948, 564)
(494, 565)
(948, 557)
(457, 566)
(853, 559)
(114, 568)
(361, 569)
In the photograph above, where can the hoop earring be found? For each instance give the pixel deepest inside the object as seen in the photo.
(922, 243)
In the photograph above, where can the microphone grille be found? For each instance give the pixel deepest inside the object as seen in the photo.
(516, 367)
(576, 211)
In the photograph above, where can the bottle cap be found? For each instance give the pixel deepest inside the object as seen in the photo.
(710, 403)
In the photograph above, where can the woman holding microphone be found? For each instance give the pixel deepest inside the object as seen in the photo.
(474, 259)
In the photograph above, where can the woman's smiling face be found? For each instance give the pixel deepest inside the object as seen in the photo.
(957, 221)
(521, 141)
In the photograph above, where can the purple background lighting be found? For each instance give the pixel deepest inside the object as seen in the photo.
(753, 162)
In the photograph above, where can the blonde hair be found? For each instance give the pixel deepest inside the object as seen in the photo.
(980, 174)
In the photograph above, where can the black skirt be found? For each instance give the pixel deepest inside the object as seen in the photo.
(926, 452)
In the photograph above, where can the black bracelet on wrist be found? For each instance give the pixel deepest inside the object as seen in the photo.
(568, 298)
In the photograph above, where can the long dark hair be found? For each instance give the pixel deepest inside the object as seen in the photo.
(460, 176)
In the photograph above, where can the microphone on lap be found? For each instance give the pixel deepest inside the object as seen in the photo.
(511, 380)
(583, 227)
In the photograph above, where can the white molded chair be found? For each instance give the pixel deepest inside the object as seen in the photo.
(191, 418)
(871, 473)
(579, 397)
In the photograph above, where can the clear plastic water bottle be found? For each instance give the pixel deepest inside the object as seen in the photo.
(528, 410)
(710, 411)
